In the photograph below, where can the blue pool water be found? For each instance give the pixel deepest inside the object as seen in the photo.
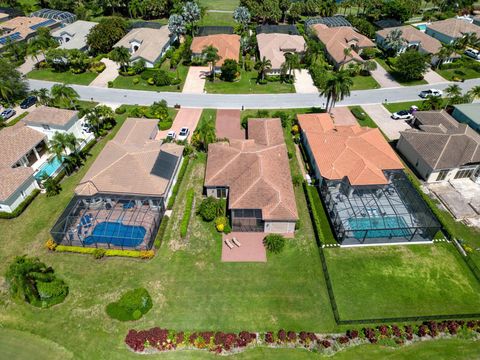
(421, 27)
(379, 227)
(116, 234)
(49, 168)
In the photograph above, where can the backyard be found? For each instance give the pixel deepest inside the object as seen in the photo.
(65, 77)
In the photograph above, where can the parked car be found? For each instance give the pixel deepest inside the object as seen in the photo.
(29, 101)
(7, 113)
(171, 135)
(183, 134)
(402, 115)
(475, 54)
(430, 92)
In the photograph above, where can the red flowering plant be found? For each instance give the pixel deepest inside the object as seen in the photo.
(292, 336)
(352, 334)
(343, 339)
(326, 344)
(282, 335)
(269, 339)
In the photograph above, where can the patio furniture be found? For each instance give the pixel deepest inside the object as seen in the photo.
(229, 244)
(86, 220)
(236, 242)
(129, 205)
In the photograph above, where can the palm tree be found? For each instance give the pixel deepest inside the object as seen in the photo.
(336, 88)
(453, 91)
(204, 136)
(262, 66)
(6, 91)
(59, 144)
(475, 92)
(62, 93)
(394, 40)
(432, 103)
(210, 54)
(444, 53)
(369, 66)
(42, 95)
(347, 52)
(121, 55)
(292, 62)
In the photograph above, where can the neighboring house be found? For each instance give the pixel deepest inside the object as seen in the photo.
(254, 175)
(228, 46)
(361, 179)
(337, 39)
(23, 28)
(74, 36)
(4, 16)
(122, 198)
(274, 47)
(468, 114)
(147, 44)
(449, 30)
(63, 17)
(440, 148)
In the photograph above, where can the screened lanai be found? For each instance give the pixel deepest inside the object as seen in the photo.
(378, 214)
(64, 17)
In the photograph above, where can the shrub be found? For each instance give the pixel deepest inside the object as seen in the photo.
(181, 174)
(135, 81)
(97, 67)
(131, 306)
(319, 217)
(187, 213)
(274, 243)
(165, 125)
(229, 70)
(162, 78)
(358, 113)
(108, 252)
(50, 244)
(147, 254)
(20, 208)
(297, 180)
(161, 232)
(121, 110)
(99, 253)
(220, 223)
(208, 208)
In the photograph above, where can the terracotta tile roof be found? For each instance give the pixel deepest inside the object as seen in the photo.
(21, 25)
(455, 28)
(50, 116)
(16, 141)
(412, 34)
(228, 46)
(126, 163)
(336, 39)
(361, 154)
(274, 46)
(11, 179)
(251, 168)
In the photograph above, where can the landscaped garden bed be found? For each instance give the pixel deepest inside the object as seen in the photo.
(65, 77)
(459, 70)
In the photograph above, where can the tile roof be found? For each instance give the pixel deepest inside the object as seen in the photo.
(274, 46)
(127, 162)
(152, 42)
(412, 34)
(11, 179)
(228, 46)
(21, 25)
(336, 39)
(251, 169)
(359, 153)
(472, 111)
(455, 28)
(50, 116)
(441, 141)
(78, 31)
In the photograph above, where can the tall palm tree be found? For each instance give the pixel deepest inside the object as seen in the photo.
(121, 55)
(475, 92)
(262, 66)
(210, 54)
(444, 53)
(432, 103)
(336, 88)
(59, 144)
(394, 40)
(62, 93)
(453, 91)
(347, 53)
(292, 62)
(42, 95)
(6, 91)
(369, 66)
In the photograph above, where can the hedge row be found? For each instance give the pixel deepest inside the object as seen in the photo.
(187, 213)
(143, 254)
(20, 208)
(319, 217)
(176, 187)
(161, 232)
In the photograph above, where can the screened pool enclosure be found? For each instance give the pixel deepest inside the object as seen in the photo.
(109, 221)
(378, 214)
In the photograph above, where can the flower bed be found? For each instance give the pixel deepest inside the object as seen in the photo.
(157, 339)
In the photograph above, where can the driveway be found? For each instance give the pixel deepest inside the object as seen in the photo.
(195, 81)
(109, 74)
(185, 118)
(432, 77)
(304, 83)
(391, 128)
(29, 64)
(384, 79)
(228, 124)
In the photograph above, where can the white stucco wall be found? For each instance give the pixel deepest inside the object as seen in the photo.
(18, 196)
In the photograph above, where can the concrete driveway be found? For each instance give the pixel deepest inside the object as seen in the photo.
(109, 74)
(304, 83)
(381, 116)
(432, 77)
(384, 79)
(29, 64)
(186, 117)
(195, 81)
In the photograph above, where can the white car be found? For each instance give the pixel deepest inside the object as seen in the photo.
(171, 135)
(475, 54)
(183, 134)
(430, 92)
(402, 115)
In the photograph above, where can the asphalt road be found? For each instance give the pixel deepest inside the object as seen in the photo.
(255, 101)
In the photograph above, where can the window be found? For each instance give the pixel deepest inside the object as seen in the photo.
(221, 192)
(442, 175)
(465, 173)
(23, 194)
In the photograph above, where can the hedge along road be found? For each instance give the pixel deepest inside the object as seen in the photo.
(248, 101)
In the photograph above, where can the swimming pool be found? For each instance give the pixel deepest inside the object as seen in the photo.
(49, 168)
(116, 234)
(421, 27)
(379, 227)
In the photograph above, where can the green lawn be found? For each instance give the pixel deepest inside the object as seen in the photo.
(395, 76)
(397, 106)
(217, 19)
(247, 85)
(361, 82)
(219, 4)
(395, 281)
(367, 121)
(462, 73)
(63, 77)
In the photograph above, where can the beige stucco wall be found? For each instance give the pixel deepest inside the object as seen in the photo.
(280, 227)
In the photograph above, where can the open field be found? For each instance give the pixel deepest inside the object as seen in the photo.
(63, 77)
(219, 4)
(217, 19)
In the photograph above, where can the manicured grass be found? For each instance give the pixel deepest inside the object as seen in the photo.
(62, 77)
(366, 121)
(16, 119)
(397, 106)
(247, 85)
(395, 76)
(219, 4)
(324, 230)
(361, 82)
(462, 73)
(217, 19)
(396, 281)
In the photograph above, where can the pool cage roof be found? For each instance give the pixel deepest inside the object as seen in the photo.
(58, 15)
(214, 30)
(277, 29)
(332, 21)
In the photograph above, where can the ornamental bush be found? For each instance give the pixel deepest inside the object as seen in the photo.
(274, 243)
(162, 78)
(208, 208)
(131, 306)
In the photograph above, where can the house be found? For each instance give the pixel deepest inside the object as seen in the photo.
(337, 41)
(74, 35)
(440, 148)
(449, 30)
(274, 47)
(4, 16)
(23, 28)
(147, 43)
(468, 114)
(361, 180)
(228, 46)
(246, 172)
(121, 200)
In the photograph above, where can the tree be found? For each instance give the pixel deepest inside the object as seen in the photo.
(77, 60)
(121, 55)
(263, 65)
(264, 11)
(229, 70)
(295, 12)
(394, 40)
(210, 54)
(369, 66)
(274, 243)
(336, 88)
(204, 136)
(13, 86)
(59, 144)
(475, 92)
(176, 25)
(64, 95)
(191, 14)
(432, 103)
(411, 65)
(14, 50)
(292, 63)
(51, 186)
(105, 34)
(97, 117)
(242, 16)
(444, 53)
(42, 95)
(453, 90)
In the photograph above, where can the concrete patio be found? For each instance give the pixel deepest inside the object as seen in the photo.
(251, 249)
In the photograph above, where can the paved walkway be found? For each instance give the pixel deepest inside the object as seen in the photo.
(195, 81)
(228, 124)
(185, 118)
(29, 64)
(432, 77)
(384, 79)
(391, 128)
(109, 74)
(304, 83)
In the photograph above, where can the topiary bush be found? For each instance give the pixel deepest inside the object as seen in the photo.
(274, 243)
(131, 306)
(208, 209)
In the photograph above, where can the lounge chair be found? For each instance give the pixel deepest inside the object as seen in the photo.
(236, 242)
(229, 244)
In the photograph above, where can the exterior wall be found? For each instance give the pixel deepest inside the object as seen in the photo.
(212, 191)
(415, 160)
(439, 36)
(451, 174)
(280, 227)
(169, 189)
(308, 150)
(18, 196)
(461, 117)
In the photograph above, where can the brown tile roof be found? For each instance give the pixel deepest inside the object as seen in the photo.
(228, 124)
(336, 39)
(125, 164)
(256, 171)
(22, 25)
(441, 141)
(455, 28)
(49, 115)
(412, 34)
(274, 47)
(11, 179)
(361, 154)
(228, 46)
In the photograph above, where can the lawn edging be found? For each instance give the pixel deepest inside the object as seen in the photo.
(176, 187)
